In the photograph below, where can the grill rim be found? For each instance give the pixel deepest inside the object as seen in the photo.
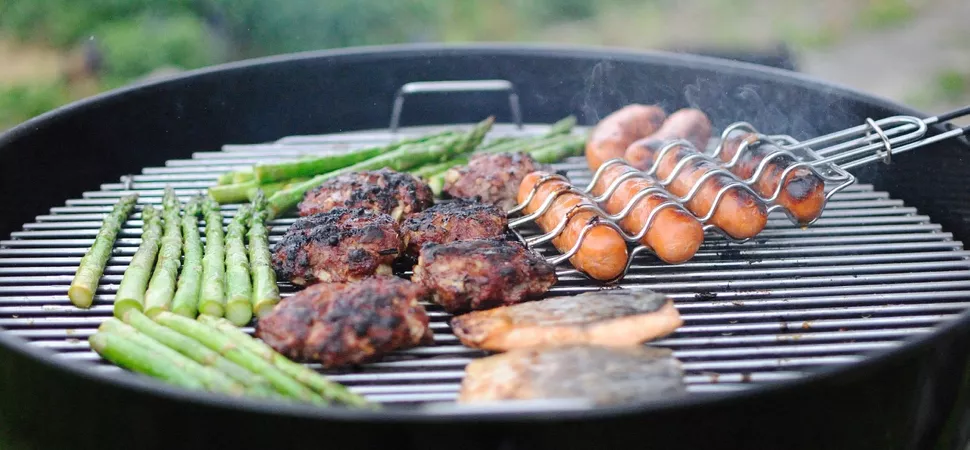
(874, 361)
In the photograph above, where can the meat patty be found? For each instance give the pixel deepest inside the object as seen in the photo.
(459, 220)
(491, 178)
(618, 317)
(338, 245)
(387, 191)
(339, 324)
(600, 375)
(482, 274)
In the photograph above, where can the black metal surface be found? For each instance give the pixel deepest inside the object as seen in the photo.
(911, 398)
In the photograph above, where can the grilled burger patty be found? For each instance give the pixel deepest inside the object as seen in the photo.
(385, 190)
(611, 318)
(338, 245)
(458, 220)
(602, 375)
(491, 178)
(482, 273)
(338, 324)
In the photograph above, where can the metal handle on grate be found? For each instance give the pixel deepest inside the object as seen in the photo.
(440, 87)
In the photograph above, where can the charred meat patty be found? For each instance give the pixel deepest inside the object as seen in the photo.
(387, 191)
(491, 178)
(617, 317)
(338, 245)
(458, 220)
(482, 273)
(339, 324)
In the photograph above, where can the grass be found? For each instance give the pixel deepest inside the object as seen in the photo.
(882, 14)
(815, 39)
(953, 84)
(949, 87)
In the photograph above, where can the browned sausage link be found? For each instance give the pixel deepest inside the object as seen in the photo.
(689, 124)
(739, 213)
(603, 252)
(612, 135)
(674, 235)
(803, 192)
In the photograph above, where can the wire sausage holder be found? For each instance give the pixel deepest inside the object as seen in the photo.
(829, 157)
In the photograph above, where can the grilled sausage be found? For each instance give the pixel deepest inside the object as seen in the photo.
(603, 253)
(612, 135)
(739, 213)
(674, 235)
(803, 192)
(689, 124)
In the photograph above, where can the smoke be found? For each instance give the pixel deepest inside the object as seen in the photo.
(771, 110)
(600, 93)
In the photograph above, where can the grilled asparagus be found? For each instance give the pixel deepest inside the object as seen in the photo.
(89, 272)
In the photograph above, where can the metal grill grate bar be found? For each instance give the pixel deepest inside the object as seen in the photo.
(871, 273)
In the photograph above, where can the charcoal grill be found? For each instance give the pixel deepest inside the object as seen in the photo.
(848, 334)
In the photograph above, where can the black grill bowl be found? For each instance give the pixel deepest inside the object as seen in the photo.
(911, 397)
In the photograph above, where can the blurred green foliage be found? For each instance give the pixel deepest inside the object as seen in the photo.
(137, 47)
(20, 102)
(122, 40)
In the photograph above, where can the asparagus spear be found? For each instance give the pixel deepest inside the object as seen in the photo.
(161, 288)
(266, 173)
(129, 355)
(431, 169)
(437, 183)
(89, 272)
(216, 340)
(225, 178)
(403, 158)
(559, 150)
(212, 379)
(496, 141)
(255, 384)
(212, 298)
(186, 300)
(527, 145)
(328, 389)
(239, 308)
(131, 291)
(232, 193)
(562, 126)
(272, 188)
(266, 294)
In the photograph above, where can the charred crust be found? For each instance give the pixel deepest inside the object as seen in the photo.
(329, 233)
(381, 190)
(346, 324)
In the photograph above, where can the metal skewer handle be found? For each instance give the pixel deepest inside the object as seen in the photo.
(839, 152)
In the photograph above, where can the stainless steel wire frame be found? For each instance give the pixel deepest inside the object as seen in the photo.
(871, 273)
(842, 151)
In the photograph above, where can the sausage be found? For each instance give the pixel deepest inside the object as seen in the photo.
(674, 235)
(612, 135)
(803, 192)
(739, 213)
(603, 253)
(689, 124)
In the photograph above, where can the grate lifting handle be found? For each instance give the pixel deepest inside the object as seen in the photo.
(440, 87)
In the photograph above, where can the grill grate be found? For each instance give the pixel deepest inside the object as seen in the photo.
(869, 274)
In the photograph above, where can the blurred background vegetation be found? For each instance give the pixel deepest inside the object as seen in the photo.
(56, 51)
